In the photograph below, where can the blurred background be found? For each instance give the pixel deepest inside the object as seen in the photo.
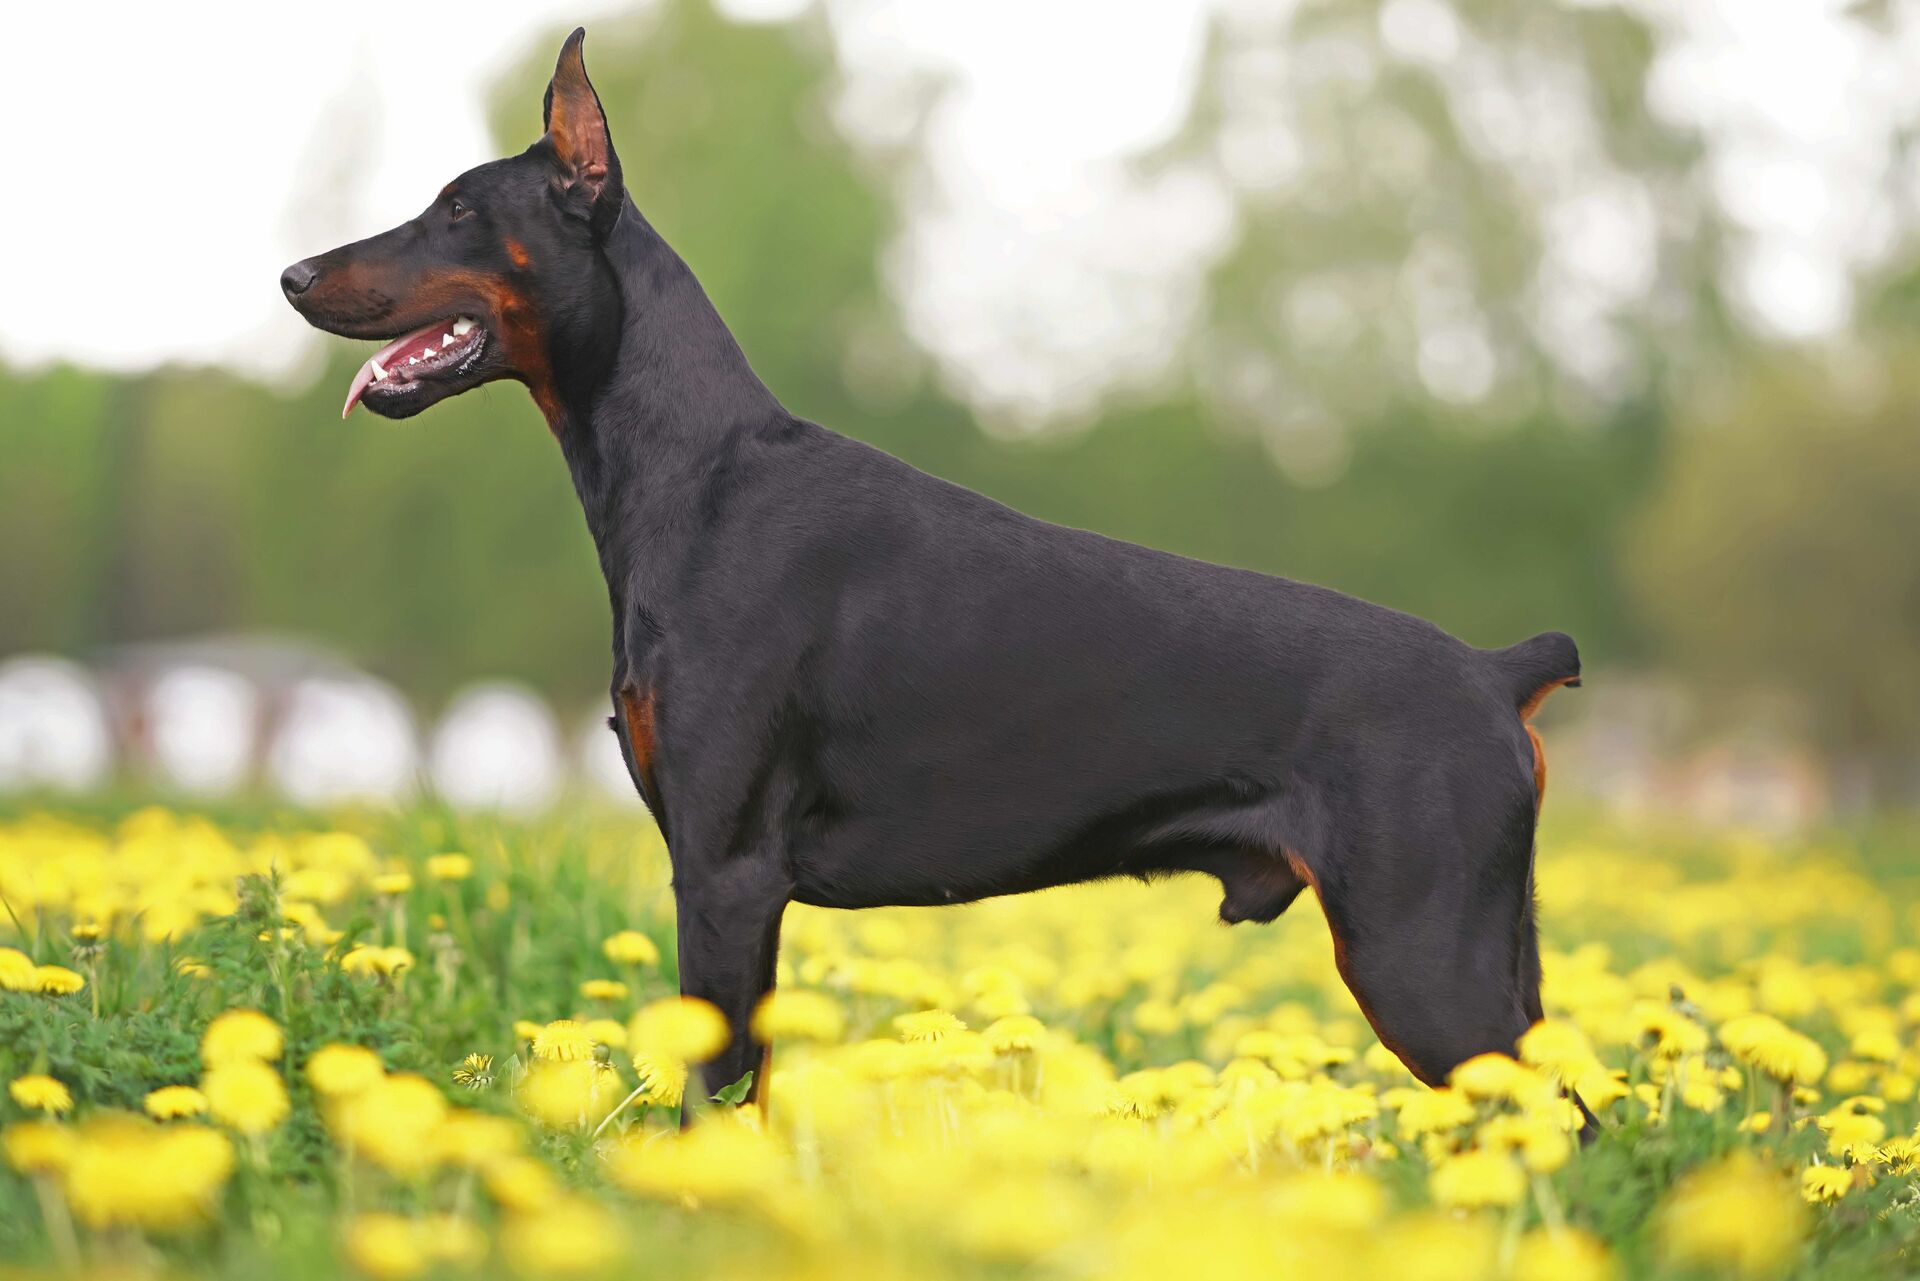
(1513, 314)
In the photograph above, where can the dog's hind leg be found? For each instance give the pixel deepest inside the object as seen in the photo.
(1432, 932)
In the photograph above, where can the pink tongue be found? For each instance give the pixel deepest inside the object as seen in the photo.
(364, 379)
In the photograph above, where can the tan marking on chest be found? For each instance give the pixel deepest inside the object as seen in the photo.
(636, 709)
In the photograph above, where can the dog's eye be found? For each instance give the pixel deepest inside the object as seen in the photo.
(458, 210)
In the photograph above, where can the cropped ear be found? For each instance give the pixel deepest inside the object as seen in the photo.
(586, 171)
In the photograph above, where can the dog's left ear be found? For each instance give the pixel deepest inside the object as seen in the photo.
(586, 172)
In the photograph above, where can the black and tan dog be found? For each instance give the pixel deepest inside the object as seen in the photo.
(840, 681)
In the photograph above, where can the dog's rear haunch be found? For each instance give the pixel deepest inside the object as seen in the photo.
(838, 680)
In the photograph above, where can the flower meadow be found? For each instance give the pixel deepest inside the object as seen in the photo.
(401, 1045)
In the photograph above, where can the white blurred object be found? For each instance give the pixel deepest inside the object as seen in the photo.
(53, 727)
(203, 723)
(604, 765)
(498, 747)
(343, 739)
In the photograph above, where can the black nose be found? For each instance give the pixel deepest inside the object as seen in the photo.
(297, 279)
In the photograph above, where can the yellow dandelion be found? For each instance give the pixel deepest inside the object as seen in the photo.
(519, 1182)
(1824, 1184)
(245, 1095)
(798, 1014)
(1496, 1076)
(387, 1247)
(171, 1102)
(240, 1036)
(928, 1025)
(1734, 1213)
(57, 980)
(563, 1041)
(682, 1027)
(567, 1236)
(611, 1033)
(392, 1123)
(1470, 1180)
(126, 1171)
(1015, 1034)
(471, 1140)
(1564, 1255)
(337, 1070)
(18, 973)
(38, 1147)
(37, 1092)
(1766, 1044)
(603, 990)
(663, 1079)
(449, 867)
(475, 1072)
(1558, 1048)
(1421, 1111)
(631, 947)
(392, 883)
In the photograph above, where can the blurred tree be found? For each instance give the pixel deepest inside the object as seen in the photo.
(1777, 560)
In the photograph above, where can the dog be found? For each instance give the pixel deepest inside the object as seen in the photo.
(840, 681)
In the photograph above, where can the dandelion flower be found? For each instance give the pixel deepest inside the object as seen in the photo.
(664, 1079)
(1733, 1213)
(392, 883)
(566, 1236)
(1015, 1034)
(387, 1247)
(392, 1123)
(603, 990)
(57, 980)
(475, 1072)
(1766, 1044)
(519, 1182)
(563, 1041)
(449, 867)
(171, 1102)
(338, 1070)
(246, 1095)
(37, 1092)
(569, 1094)
(928, 1025)
(1558, 1048)
(683, 1027)
(1824, 1184)
(38, 1147)
(129, 1172)
(18, 973)
(631, 947)
(1473, 1179)
(1422, 1111)
(472, 1140)
(1564, 1255)
(1495, 1076)
(798, 1014)
(240, 1036)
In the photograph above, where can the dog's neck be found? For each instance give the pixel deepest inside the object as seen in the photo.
(650, 403)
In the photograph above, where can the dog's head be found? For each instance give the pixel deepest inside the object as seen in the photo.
(501, 272)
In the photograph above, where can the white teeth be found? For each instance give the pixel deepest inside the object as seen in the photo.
(428, 351)
(446, 340)
(413, 360)
(378, 373)
(461, 326)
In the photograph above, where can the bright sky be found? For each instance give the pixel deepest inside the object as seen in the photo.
(168, 160)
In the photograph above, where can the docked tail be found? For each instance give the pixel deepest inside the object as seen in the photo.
(1533, 669)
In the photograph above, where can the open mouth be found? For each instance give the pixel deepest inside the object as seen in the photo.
(445, 346)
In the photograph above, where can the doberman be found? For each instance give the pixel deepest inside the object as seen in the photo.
(840, 681)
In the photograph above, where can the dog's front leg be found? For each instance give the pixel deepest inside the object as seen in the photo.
(729, 931)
